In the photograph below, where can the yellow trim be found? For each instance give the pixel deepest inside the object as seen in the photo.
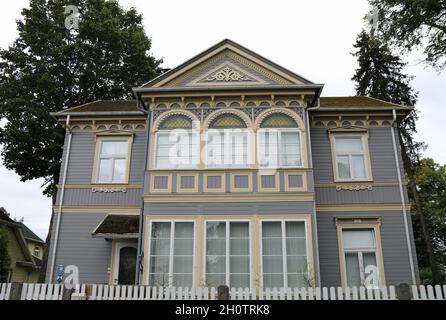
(293, 173)
(187, 190)
(241, 173)
(360, 207)
(262, 197)
(268, 172)
(152, 183)
(359, 224)
(365, 142)
(103, 136)
(214, 174)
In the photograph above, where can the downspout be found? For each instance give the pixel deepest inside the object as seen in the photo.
(140, 251)
(314, 224)
(62, 193)
(400, 182)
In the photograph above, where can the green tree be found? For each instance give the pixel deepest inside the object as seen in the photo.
(5, 259)
(49, 67)
(412, 24)
(430, 179)
(380, 75)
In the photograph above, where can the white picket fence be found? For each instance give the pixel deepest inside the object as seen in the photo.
(111, 292)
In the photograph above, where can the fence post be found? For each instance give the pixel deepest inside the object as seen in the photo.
(223, 293)
(403, 291)
(16, 291)
(66, 295)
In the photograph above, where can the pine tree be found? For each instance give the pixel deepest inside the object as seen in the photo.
(380, 75)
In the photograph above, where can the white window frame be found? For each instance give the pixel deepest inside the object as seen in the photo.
(284, 252)
(98, 157)
(360, 251)
(279, 146)
(228, 258)
(36, 249)
(226, 138)
(365, 153)
(195, 158)
(172, 243)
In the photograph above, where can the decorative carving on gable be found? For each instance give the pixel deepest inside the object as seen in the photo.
(227, 74)
(358, 187)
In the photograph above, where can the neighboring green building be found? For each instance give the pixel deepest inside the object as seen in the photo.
(24, 267)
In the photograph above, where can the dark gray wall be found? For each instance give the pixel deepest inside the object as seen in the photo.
(80, 166)
(381, 154)
(77, 247)
(395, 251)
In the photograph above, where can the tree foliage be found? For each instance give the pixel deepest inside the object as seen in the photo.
(5, 259)
(380, 75)
(430, 179)
(411, 24)
(49, 67)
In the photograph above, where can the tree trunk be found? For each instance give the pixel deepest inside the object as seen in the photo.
(436, 278)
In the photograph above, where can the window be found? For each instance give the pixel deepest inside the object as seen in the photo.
(113, 160)
(227, 148)
(279, 142)
(176, 149)
(351, 158)
(177, 144)
(284, 254)
(227, 254)
(172, 254)
(279, 148)
(360, 256)
(37, 251)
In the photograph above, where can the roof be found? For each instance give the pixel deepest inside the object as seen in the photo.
(118, 225)
(357, 102)
(5, 218)
(226, 43)
(103, 106)
(29, 235)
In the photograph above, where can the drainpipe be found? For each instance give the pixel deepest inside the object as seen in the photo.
(59, 213)
(400, 181)
(140, 251)
(314, 224)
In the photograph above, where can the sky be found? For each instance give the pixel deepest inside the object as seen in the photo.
(311, 38)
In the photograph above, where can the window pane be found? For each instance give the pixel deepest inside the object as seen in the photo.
(352, 269)
(290, 149)
(114, 148)
(358, 239)
(370, 268)
(295, 229)
(272, 255)
(359, 167)
(159, 254)
(120, 170)
(297, 264)
(105, 170)
(239, 281)
(298, 280)
(214, 148)
(273, 280)
(268, 148)
(348, 145)
(183, 258)
(215, 253)
(237, 151)
(343, 167)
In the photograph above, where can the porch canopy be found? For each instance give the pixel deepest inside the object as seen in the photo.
(116, 226)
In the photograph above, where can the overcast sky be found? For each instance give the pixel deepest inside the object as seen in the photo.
(312, 38)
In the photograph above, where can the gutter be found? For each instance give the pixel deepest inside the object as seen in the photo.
(315, 105)
(140, 249)
(56, 237)
(400, 182)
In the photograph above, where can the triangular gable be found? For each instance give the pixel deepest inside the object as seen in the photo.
(227, 64)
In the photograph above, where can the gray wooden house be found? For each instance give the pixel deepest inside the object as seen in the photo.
(230, 169)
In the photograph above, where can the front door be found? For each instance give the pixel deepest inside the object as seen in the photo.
(125, 263)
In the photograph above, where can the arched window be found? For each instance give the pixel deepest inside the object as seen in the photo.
(227, 142)
(279, 142)
(177, 143)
